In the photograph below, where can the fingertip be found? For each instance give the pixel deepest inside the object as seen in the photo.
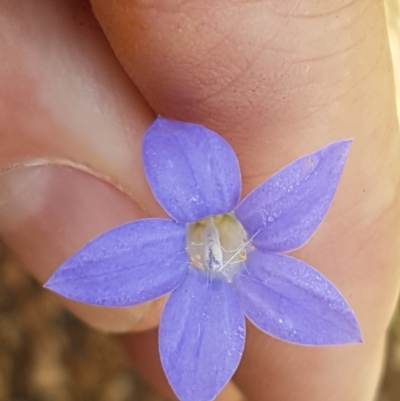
(49, 212)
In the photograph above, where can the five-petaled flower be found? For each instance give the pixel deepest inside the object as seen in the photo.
(221, 259)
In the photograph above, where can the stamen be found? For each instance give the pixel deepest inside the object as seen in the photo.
(218, 245)
(212, 251)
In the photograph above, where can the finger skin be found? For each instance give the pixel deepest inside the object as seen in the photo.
(279, 80)
(71, 128)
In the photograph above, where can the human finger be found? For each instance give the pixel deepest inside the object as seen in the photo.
(72, 124)
(280, 80)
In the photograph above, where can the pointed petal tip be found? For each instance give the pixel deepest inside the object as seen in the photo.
(48, 285)
(343, 146)
(54, 285)
(160, 120)
(51, 283)
(355, 339)
(338, 151)
(346, 142)
(347, 339)
(359, 339)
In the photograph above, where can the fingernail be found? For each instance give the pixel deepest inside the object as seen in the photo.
(49, 212)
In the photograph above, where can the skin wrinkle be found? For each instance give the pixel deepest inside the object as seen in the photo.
(347, 91)
(330, 55)
(253, 110)
(196, 102)
(289, 13)
(304, 116)
(340, 80)
(248, 68)
(222, 76)
(326, 57)
(351, 3)
(223, 42)
(351, 21)
(29, 162)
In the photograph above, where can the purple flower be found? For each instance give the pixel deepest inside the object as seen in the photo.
(221, 260)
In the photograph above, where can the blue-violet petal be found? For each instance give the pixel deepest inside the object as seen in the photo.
(291, 301)
(129, 265)
(201, 337)
(192, 171)
(284, 212)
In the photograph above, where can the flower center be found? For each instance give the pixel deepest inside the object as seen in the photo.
(217, 245)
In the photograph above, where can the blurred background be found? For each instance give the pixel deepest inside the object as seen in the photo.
(51, 356)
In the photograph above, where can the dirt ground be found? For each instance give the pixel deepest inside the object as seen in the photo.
(48, 355)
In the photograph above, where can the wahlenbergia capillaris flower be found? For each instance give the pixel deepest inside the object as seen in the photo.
(221, 259)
